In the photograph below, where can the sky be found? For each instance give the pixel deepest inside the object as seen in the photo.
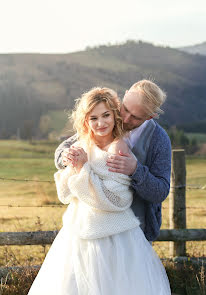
(62, 26)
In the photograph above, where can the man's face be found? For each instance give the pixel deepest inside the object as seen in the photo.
(132, 111)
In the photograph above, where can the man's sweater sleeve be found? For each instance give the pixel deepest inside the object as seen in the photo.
(58, 153)
(153, 183)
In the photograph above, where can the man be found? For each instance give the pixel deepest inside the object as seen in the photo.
(150, 171)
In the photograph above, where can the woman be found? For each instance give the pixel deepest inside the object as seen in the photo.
(100, 249)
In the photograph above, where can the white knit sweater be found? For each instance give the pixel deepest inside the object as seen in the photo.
(99, 200)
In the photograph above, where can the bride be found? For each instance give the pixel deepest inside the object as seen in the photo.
(101, 249)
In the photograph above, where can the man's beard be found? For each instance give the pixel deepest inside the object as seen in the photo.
(128, 127)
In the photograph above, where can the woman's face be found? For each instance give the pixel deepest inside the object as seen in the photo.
(101, 120)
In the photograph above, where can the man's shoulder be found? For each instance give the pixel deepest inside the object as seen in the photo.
(160, 141)
(160, 135)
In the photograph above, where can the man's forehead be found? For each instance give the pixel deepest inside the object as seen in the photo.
(134, 106)
(133, 100)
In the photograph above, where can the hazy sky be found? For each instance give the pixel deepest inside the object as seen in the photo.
(66, 26)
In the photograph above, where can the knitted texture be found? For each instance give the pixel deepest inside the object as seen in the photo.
(150, 181)
(104, 197)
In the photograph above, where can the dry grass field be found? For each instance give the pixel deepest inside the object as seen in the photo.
(33, 205)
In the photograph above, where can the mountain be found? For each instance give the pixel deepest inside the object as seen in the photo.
(33, 84)
(195, 49)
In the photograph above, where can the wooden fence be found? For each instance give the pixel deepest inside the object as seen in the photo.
(177, 235)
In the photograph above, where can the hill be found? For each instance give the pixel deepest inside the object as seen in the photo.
(195, 49)
(34, 84)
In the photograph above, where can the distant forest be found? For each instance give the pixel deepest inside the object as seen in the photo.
(32, 85)
(195, 49)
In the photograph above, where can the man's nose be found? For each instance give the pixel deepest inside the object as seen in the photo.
(126, 118)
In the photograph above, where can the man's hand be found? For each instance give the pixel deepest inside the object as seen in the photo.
(122, 163)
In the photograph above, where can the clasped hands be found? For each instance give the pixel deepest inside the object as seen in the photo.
(122, 163)
(74, 156)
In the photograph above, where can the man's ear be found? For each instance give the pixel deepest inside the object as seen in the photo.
(149, 118)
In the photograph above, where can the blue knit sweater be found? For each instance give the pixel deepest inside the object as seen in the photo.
(151, 181)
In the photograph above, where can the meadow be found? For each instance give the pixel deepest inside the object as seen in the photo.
(33, 205)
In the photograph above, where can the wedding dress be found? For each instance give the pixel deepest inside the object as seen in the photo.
(101, 249)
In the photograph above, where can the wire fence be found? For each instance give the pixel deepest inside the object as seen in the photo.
(63, 206)
(32, 206)
(188, 187)
(25, 179)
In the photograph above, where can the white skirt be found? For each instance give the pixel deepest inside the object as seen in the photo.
(121, 264)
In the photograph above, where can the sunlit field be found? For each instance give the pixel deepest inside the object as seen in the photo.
(33, 205)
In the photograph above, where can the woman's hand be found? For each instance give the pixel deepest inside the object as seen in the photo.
(77, 157)
(67, 156)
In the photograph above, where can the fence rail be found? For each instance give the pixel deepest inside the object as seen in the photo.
(47, 237)
(177, 235)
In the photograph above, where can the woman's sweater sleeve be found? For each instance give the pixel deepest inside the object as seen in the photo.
(58, 153)
(61, 179)
(100, 193)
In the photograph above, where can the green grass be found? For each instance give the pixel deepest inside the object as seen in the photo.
(58, 120)
(42, 169)
(200, 137)
(23, 149)
(196, 170)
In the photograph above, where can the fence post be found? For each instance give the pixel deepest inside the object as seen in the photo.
(177, 206)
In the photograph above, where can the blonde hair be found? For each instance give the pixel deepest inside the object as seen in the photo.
(152, 97)
(85, 104)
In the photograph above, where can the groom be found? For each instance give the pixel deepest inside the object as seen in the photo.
(150, 173)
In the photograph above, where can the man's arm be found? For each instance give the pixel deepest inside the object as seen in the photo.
(58, 153)
(153, 183)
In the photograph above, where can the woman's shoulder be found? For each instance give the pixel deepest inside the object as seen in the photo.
(117, 145)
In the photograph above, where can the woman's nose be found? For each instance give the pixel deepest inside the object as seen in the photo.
(100, 122)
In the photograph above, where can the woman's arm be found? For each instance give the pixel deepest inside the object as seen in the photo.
(62, 176)
(94, 184)
(61, 179)
(101, 189)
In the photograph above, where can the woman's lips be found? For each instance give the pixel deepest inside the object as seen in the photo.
(102, 129)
